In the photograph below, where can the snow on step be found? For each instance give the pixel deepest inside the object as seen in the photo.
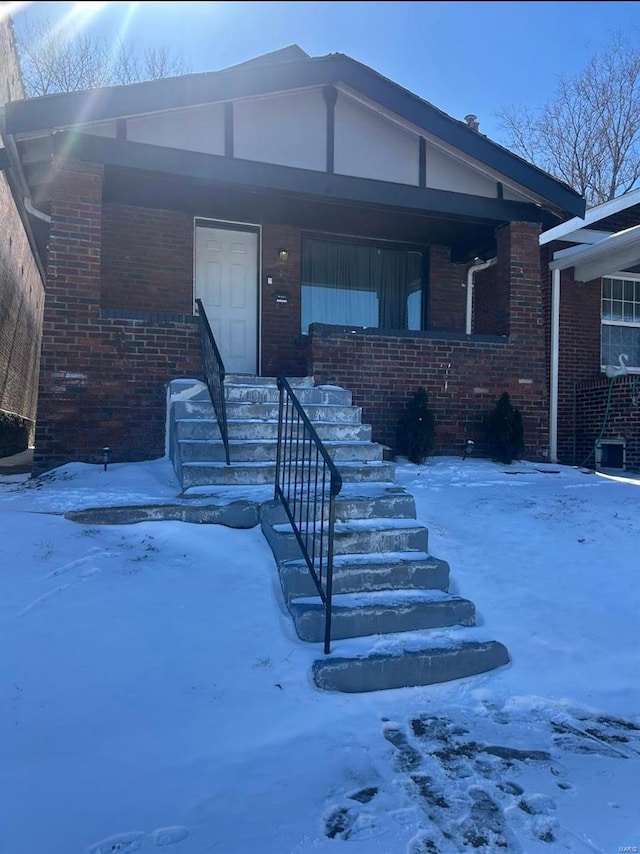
(355, 536)
(374, 524)
(408, 668)
(381, 598)
(356, 615)
(368, 572)
(259, 449)
(210, 473)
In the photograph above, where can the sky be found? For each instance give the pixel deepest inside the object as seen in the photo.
(464, 57)
(155, 697)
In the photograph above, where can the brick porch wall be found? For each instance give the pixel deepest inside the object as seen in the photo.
(446, 293)
(102, 375)
(284, 350)
(623, 420)
(463, 376)
(488, 307)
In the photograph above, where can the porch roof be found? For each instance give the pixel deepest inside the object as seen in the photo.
(578, 229)
(251, 191)
(286, 71)
(612, 254)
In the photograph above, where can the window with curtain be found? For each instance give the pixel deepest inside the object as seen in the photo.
(359, 284)
(621, 321)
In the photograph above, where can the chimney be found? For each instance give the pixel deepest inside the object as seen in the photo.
(472, 122)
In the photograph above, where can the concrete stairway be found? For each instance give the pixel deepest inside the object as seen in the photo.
(196, 448)
(393, 622)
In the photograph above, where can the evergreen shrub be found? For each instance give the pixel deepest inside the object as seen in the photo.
(504, 431)
(416, 429)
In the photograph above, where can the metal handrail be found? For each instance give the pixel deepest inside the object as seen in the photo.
(307, 482)
(214, 375)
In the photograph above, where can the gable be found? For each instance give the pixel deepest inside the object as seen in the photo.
(369, 146)
(290, 129)
(279, 112)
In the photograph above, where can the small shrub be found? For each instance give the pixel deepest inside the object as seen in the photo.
(416, 429)
(504, 431)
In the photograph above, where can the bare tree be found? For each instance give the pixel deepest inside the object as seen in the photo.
(54, 60)
(588, 134)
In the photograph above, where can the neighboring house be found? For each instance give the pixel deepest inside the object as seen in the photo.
(21, 285)
(329, 220)
(595, 335)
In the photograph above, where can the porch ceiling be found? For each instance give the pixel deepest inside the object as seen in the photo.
(466, 239)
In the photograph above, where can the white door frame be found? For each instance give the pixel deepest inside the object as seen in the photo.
(232, 225)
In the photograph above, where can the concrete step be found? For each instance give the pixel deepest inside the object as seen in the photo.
(355, 501)
(408, 668)
(318, 395)
(241, 429)
(210, 474)
(356, 536)
(262, 451)
(251, 380)
(380, 613)
(332, 414)
(369, 572)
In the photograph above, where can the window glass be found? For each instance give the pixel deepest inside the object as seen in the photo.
(620, 329)
(359, 284)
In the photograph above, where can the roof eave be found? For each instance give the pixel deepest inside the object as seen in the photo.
(58, 111)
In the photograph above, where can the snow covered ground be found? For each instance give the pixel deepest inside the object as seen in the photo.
(153, 694)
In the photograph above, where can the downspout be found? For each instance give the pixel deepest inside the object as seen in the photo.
(28, 204)
(553, 379)
(475, 268)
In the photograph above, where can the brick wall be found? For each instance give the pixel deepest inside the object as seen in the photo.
(447, 294)
(284, 350)
(579, 354)
(21, 288)
(463, 376)
(103, 375)
(147, 259)
(147, 265)
(579, 358)
(106, 360)
(488, 309)
(623, 420)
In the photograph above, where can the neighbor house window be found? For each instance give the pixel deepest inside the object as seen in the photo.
(361, 284)
(621, 320)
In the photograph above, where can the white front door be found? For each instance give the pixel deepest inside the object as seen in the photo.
(226, 280)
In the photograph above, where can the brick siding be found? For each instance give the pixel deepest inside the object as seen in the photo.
(284, 350)
(463, 376)
(579, 357)
(103, 377)
(147, 259)
(623, 420)
(21, 287)
(107, 359)
(488, 309)
(447, 294)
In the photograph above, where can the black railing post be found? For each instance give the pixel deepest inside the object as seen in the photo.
(279, 445)
(329, 576)
(301, 484)
(214, 375)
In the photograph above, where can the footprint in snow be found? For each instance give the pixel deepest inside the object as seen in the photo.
(129, 843)
(121, 843)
